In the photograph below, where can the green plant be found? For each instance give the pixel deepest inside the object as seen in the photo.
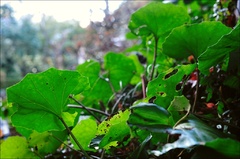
(123, 109)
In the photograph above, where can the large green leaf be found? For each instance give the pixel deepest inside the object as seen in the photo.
(100, 89)
(215, 54)
(163, 88)
(42, 98)
(121, 69)
(193, 39)
(84, 131)
(16, 147)
(158, 19)
(149, 116)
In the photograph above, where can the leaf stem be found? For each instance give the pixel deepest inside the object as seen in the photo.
(143, 85)
(90, 109)
(55, 137)
(85, 108)
(154, 58)
(74, 138)
(196, 92)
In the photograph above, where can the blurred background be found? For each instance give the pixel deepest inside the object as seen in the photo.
(36, 35)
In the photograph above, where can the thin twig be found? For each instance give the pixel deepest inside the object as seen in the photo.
(74, 138)
(196, 93)
(64, 143)
(154, 58)
(90, 109)
(118, 100)
(143, 85)
(85, 108)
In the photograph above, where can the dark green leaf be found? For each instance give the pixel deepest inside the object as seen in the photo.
(193, 39)
(192, 132)
(42, 98)
(218, 52)
(227, 146)
(149, 116)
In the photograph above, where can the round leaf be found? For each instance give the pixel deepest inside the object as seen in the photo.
(193, 39)
(42, 98)
(218, 52)
(158, 19)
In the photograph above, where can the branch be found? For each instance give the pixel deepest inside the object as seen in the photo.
(196, 92)
(74, 138)
(85, 109)
(90, 109)
(154, 58)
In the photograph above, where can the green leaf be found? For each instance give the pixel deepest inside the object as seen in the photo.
(139, 70)
(84, 131)
(120, 117)
(228, 147)
(121, 69)
(42, 98)
(100, 89)
(46, 142)
(178, 107)
(215, 54)
(157, 19)
(193, 39)
(163, 88)
(16, 147)
(114, 130)
(115, 135)
(149, 116)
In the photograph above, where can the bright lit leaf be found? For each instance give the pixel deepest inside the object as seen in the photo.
(193, 39)
(16, 147)
(42, 98)
(158, 19)
(84, 131)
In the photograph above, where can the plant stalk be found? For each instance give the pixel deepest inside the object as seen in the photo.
(86, 109)
(74, 138)
(154, 58)
(196, 93)
(90, 109)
